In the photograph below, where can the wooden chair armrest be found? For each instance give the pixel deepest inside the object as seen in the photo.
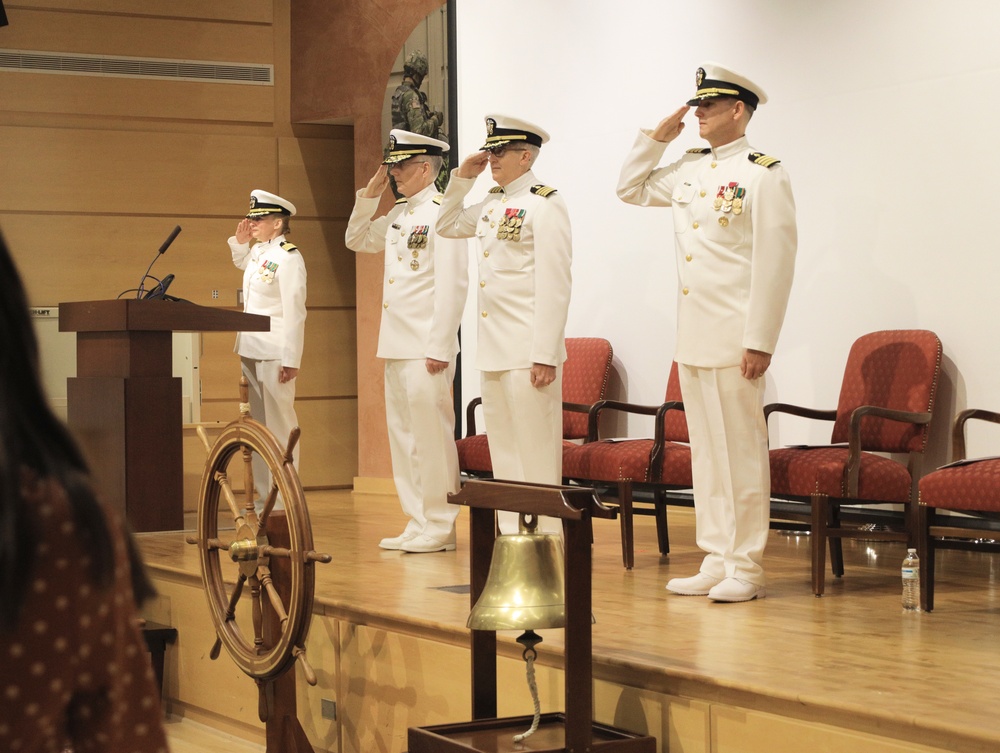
(798, 410)
(595, 413)
(470, 416)
(854, 436)
(958, 431)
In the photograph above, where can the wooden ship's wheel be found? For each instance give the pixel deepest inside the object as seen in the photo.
(270, 561)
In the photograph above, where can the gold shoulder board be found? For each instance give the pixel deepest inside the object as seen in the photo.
(496, 189)
(762, 159)
(289, 247)
(706, 150)
(401, 200)
(544, 191)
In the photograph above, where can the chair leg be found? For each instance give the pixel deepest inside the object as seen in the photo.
(660, 513)
(836, 543)
(820, 520)
(625, 509)
(925, 551)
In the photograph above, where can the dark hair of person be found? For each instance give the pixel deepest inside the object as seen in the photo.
(34, 440)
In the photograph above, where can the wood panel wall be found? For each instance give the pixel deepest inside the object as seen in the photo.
(97, 170)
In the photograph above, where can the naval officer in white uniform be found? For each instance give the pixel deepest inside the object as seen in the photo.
(423, 294)
(274, 284)
(735, 240)
(524, 249)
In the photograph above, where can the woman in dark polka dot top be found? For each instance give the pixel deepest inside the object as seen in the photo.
(74, 672)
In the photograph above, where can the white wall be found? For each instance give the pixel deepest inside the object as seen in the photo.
(884, 113)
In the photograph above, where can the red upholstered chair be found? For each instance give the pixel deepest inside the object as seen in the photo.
(968, 487)
(657, 465)
(584, 382)
(886, 403)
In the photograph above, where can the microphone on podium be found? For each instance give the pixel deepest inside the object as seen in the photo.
(160, 288)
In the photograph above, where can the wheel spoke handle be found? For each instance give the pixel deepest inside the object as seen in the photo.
(300, 653)
(227, 491)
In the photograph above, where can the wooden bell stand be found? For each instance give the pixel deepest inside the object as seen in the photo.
(574, 730)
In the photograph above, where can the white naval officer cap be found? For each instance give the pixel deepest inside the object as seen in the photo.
(405, 144)
(263, 204)
(715, 80)
(503, 129)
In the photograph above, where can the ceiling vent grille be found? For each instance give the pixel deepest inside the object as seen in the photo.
(27, 61)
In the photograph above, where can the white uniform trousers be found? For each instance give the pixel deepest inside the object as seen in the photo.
(524, 426)
(732, 477)
(420, 417)
(272, 404)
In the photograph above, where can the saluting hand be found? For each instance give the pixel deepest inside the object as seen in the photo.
(671, 126)
(377, 185)
(473, 165)
(243, 231)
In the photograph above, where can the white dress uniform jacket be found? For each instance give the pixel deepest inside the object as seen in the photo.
(274, 284)
(524, 273)
(426, 277)
(735, 260)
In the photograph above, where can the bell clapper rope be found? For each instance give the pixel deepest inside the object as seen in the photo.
(529, 639)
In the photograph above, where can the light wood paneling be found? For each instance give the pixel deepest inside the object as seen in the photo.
(329, 264)
(128, 172)
(114, 96)
(327, 367)
(248, 11)
(320, 172)
(329, 439)
(113, 253)
(110, 33)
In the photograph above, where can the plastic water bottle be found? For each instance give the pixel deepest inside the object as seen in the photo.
(911, 581)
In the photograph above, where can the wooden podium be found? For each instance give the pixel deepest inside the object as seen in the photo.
(124, 405)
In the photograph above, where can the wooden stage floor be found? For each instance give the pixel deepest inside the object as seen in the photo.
(851, 658)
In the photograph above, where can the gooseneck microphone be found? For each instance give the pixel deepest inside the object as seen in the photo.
(163, 249)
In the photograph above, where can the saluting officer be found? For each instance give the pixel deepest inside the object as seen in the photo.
(274, 284)
(423, 295)
(524, 249)
(735, 238)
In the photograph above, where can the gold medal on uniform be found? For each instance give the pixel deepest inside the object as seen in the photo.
(418, 236)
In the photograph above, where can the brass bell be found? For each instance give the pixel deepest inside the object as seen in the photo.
(526, 585)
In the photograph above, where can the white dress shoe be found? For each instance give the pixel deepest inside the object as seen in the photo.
(396, 542)
(734, 589)
(696, 585)
(424, 543)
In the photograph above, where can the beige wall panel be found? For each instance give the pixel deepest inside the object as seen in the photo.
(739, 731)
(323, 654)
(83, 258)
(127, 172)
(116, 96)
(321, 171)
(328, 368)
(390, 682)
(676, 723)
(220, 376)
(259, 11)
(216, 687)
(138, 36)
(329, 443)
(328, 361)
(329, 264)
